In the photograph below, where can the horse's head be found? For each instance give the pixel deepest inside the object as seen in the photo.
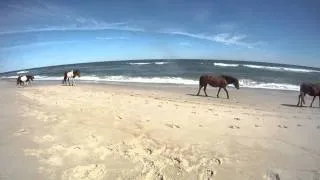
(236, 84)
(18, 79)
(231, 80)
(31, 77)
(76, 73)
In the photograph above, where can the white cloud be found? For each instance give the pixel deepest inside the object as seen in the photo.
(38, 44)
(224, 38)
(62, 18)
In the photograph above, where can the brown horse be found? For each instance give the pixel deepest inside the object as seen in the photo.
(217, 81)
(310, 89)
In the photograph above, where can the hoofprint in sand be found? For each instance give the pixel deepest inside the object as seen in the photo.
(103, 132)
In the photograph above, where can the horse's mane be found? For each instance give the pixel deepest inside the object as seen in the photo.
(229, 79)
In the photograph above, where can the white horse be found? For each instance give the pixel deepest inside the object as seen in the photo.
(72, 74)
(23, 80)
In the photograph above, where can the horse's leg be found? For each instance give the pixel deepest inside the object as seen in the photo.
(218, 92)
(200, 87)
(319, 100)
(69, 81)
(72, 81)
(303, 95)
(312, 101)
(205, 89)
(299, 97)
(225, 89)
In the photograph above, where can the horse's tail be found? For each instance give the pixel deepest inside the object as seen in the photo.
(64, 78)
(202, 80)
(18, 80)
(303, 89)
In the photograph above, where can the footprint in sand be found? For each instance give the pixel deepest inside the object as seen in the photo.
(172, 125)
(256, 125)
(318, 127)
(234, 127)
(218, 161)
(283, 126)
(21, 132)
(149, 151)
(208, 174)
(299, 125)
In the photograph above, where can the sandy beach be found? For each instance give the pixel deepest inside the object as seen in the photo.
(121, 131)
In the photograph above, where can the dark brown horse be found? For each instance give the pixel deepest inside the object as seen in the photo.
(23, 79)
(72, 74)
(220, 81)
(311, 90)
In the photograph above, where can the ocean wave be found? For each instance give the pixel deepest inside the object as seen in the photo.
(21, 72)
(147, 63)
(161, 63)
(274, 68)
(226, 65)
(139, 63)
(48, 78)
(9, 77)
(156, 80)
(262, 85)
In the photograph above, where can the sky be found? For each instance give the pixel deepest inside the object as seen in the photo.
(35, 33)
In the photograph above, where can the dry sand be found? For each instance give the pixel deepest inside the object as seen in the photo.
(156, 132)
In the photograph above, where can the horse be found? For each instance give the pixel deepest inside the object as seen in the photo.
(310, 89)
(220, 81)
(72, 74)
(23, 79)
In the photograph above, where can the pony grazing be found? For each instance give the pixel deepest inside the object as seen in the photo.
(24, 79)
(311, 90)
(72, 74)
(220, 81)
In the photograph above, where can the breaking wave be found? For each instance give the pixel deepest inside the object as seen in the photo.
(275, 68)
(22, 72)
(226, 65)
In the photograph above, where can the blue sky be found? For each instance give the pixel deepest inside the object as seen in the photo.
(37, 33)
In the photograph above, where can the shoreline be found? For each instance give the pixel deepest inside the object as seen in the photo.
(134, 131)
(262, 86)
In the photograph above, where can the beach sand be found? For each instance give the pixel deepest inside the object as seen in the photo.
(126, 131)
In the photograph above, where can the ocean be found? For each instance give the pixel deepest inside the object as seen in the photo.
(187, 72)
